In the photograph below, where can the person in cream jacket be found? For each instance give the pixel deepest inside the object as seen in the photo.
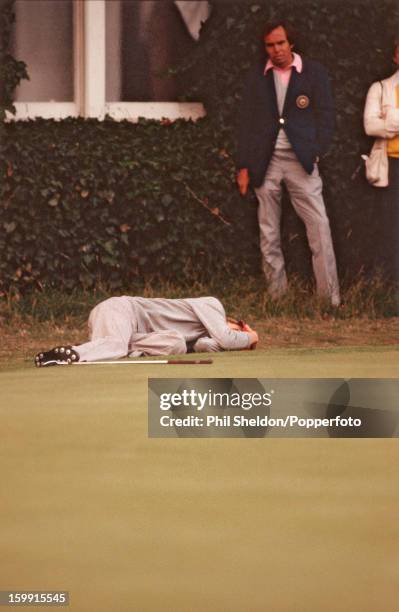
(381, 120)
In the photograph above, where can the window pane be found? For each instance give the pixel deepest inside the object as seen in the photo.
(43, 39)
(142, 40)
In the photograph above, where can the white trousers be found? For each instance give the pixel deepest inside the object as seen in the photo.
(305, 191)
(113, 334)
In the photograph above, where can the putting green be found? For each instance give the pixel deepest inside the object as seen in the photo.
(91, 505)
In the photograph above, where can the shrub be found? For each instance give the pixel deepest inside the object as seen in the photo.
(85, 201)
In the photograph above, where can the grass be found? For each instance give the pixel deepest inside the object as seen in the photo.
(299, 319)
(124, 522)
(95, 507)
(243, 297)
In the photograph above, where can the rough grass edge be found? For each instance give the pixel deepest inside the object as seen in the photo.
(242, 297)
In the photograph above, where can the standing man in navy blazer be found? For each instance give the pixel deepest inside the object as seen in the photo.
(286, 126)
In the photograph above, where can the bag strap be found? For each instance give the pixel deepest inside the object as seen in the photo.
(382, 93)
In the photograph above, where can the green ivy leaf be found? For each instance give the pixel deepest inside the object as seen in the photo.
(10, 227)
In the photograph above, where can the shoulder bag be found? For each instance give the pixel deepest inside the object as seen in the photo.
(377, 161)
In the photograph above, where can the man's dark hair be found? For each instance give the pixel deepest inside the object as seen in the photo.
(395, 45)
(289, 30)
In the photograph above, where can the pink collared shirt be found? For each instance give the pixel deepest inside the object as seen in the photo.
(285, 73)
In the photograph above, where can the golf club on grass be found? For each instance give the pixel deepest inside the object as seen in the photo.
(134, 362)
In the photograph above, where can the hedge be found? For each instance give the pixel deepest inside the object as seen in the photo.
(89, 201)
(83, 201)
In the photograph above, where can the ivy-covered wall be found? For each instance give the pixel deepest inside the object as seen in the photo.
(83, 201)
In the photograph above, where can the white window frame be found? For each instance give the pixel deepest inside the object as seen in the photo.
(89, 80)
(61, 110)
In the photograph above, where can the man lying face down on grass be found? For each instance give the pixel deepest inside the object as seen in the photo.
(135, 326)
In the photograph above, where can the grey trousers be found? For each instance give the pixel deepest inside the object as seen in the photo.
(113, 335)
(306, 197)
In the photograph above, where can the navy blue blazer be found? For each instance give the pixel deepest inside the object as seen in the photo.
(308, 116)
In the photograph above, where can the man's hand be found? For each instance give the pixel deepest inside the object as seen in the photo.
(243, 181)
(253, 336)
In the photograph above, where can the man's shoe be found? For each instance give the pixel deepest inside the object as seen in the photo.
(59, 355)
